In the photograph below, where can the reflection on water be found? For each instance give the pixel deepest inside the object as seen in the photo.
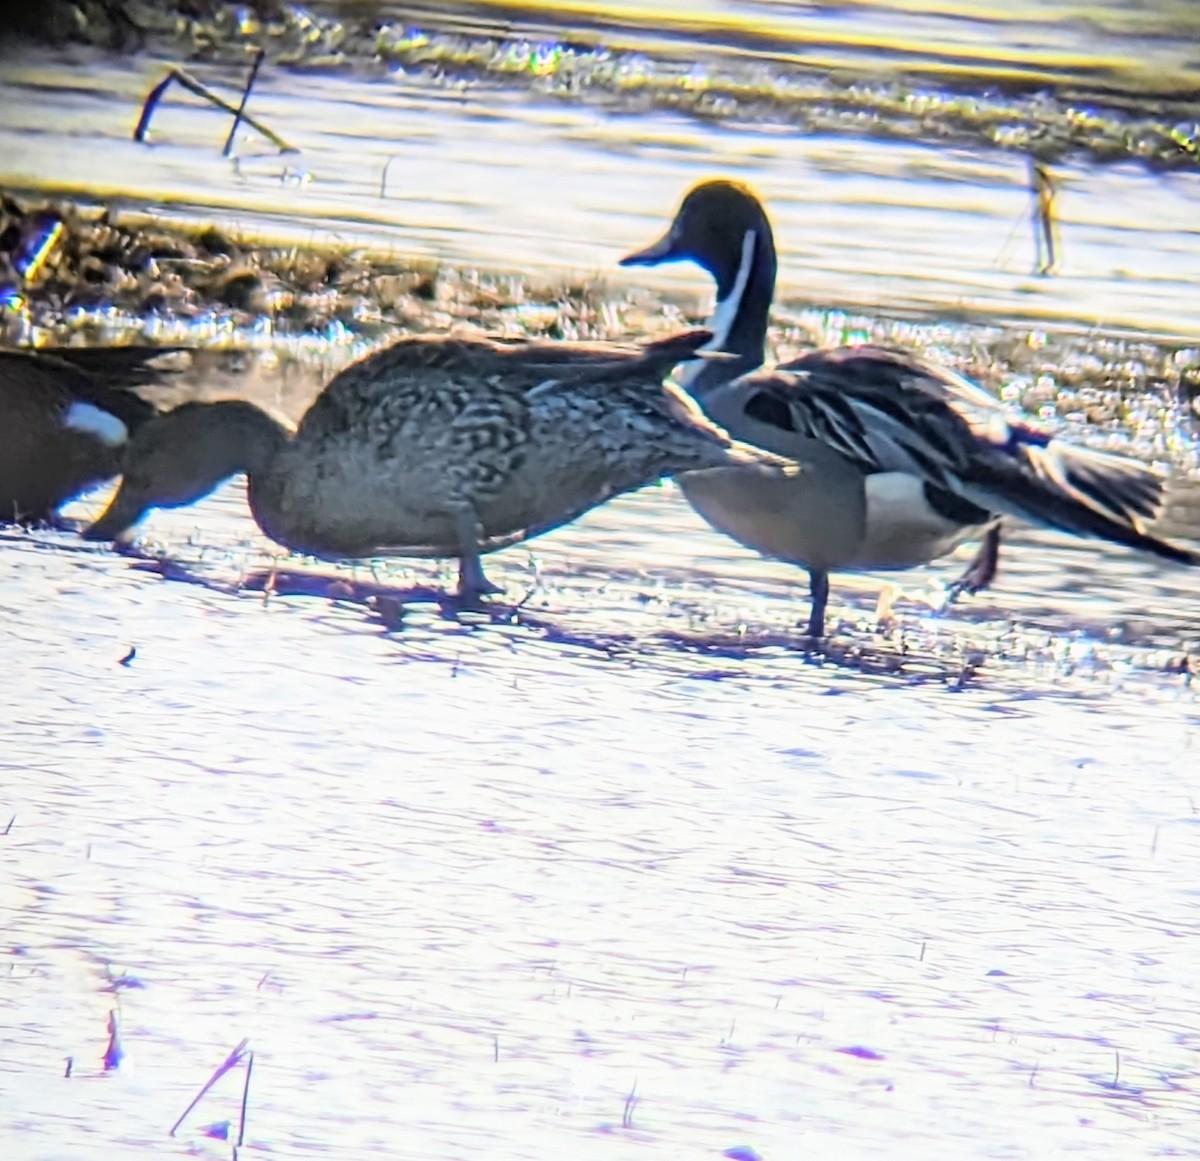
(624, 870)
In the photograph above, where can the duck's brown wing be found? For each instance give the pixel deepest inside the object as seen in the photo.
(131, 366)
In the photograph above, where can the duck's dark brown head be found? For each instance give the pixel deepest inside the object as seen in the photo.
(722, 227)
(710, 229)
(179, 457)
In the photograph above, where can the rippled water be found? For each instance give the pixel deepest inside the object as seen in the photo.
(623, 872)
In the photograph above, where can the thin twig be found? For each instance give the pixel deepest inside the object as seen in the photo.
(237, 117)
(150, 104)
(231, 1061)
(245, 1100)
(383, 179)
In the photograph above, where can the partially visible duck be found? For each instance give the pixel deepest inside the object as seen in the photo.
(903, 460)
(66, 415)
(438, 447)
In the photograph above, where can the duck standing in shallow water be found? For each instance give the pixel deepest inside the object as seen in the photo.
(902, 460)
(66, 416)
(438, 447)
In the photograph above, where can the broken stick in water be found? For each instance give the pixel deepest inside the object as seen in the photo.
(231, 1061)
(178, 76)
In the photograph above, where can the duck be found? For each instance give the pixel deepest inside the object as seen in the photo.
(67, 415)
(903, 459)
(437, 446)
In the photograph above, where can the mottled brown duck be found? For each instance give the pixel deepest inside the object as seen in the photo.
(438, 447)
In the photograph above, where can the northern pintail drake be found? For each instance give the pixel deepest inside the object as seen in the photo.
(438, 447)
(903, 460)
(66, 415)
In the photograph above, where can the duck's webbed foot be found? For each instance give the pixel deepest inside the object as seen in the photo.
(982, 570)
(473, 585)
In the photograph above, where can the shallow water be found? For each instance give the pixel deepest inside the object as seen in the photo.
(623, 871)
(474, 149)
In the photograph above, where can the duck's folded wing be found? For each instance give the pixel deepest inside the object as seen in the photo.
(954, 424)
(882, 425)
(126, 366)
(866, 367)
(886, 412)
(52, 377)
(1117, 487)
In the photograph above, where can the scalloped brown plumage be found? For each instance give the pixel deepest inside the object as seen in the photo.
(441, 447)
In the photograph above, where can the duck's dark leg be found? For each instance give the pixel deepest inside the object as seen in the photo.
(472, 584)
(818, 583)
(982, 570)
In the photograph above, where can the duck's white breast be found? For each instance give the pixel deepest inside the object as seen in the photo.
(902, 528)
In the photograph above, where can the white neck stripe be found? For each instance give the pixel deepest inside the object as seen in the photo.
(726, 312)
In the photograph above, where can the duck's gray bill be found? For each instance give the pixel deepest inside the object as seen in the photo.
(661, 251)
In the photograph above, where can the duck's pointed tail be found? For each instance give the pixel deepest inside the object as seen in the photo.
(1089, 493)
(677, 348)
(654, 360)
